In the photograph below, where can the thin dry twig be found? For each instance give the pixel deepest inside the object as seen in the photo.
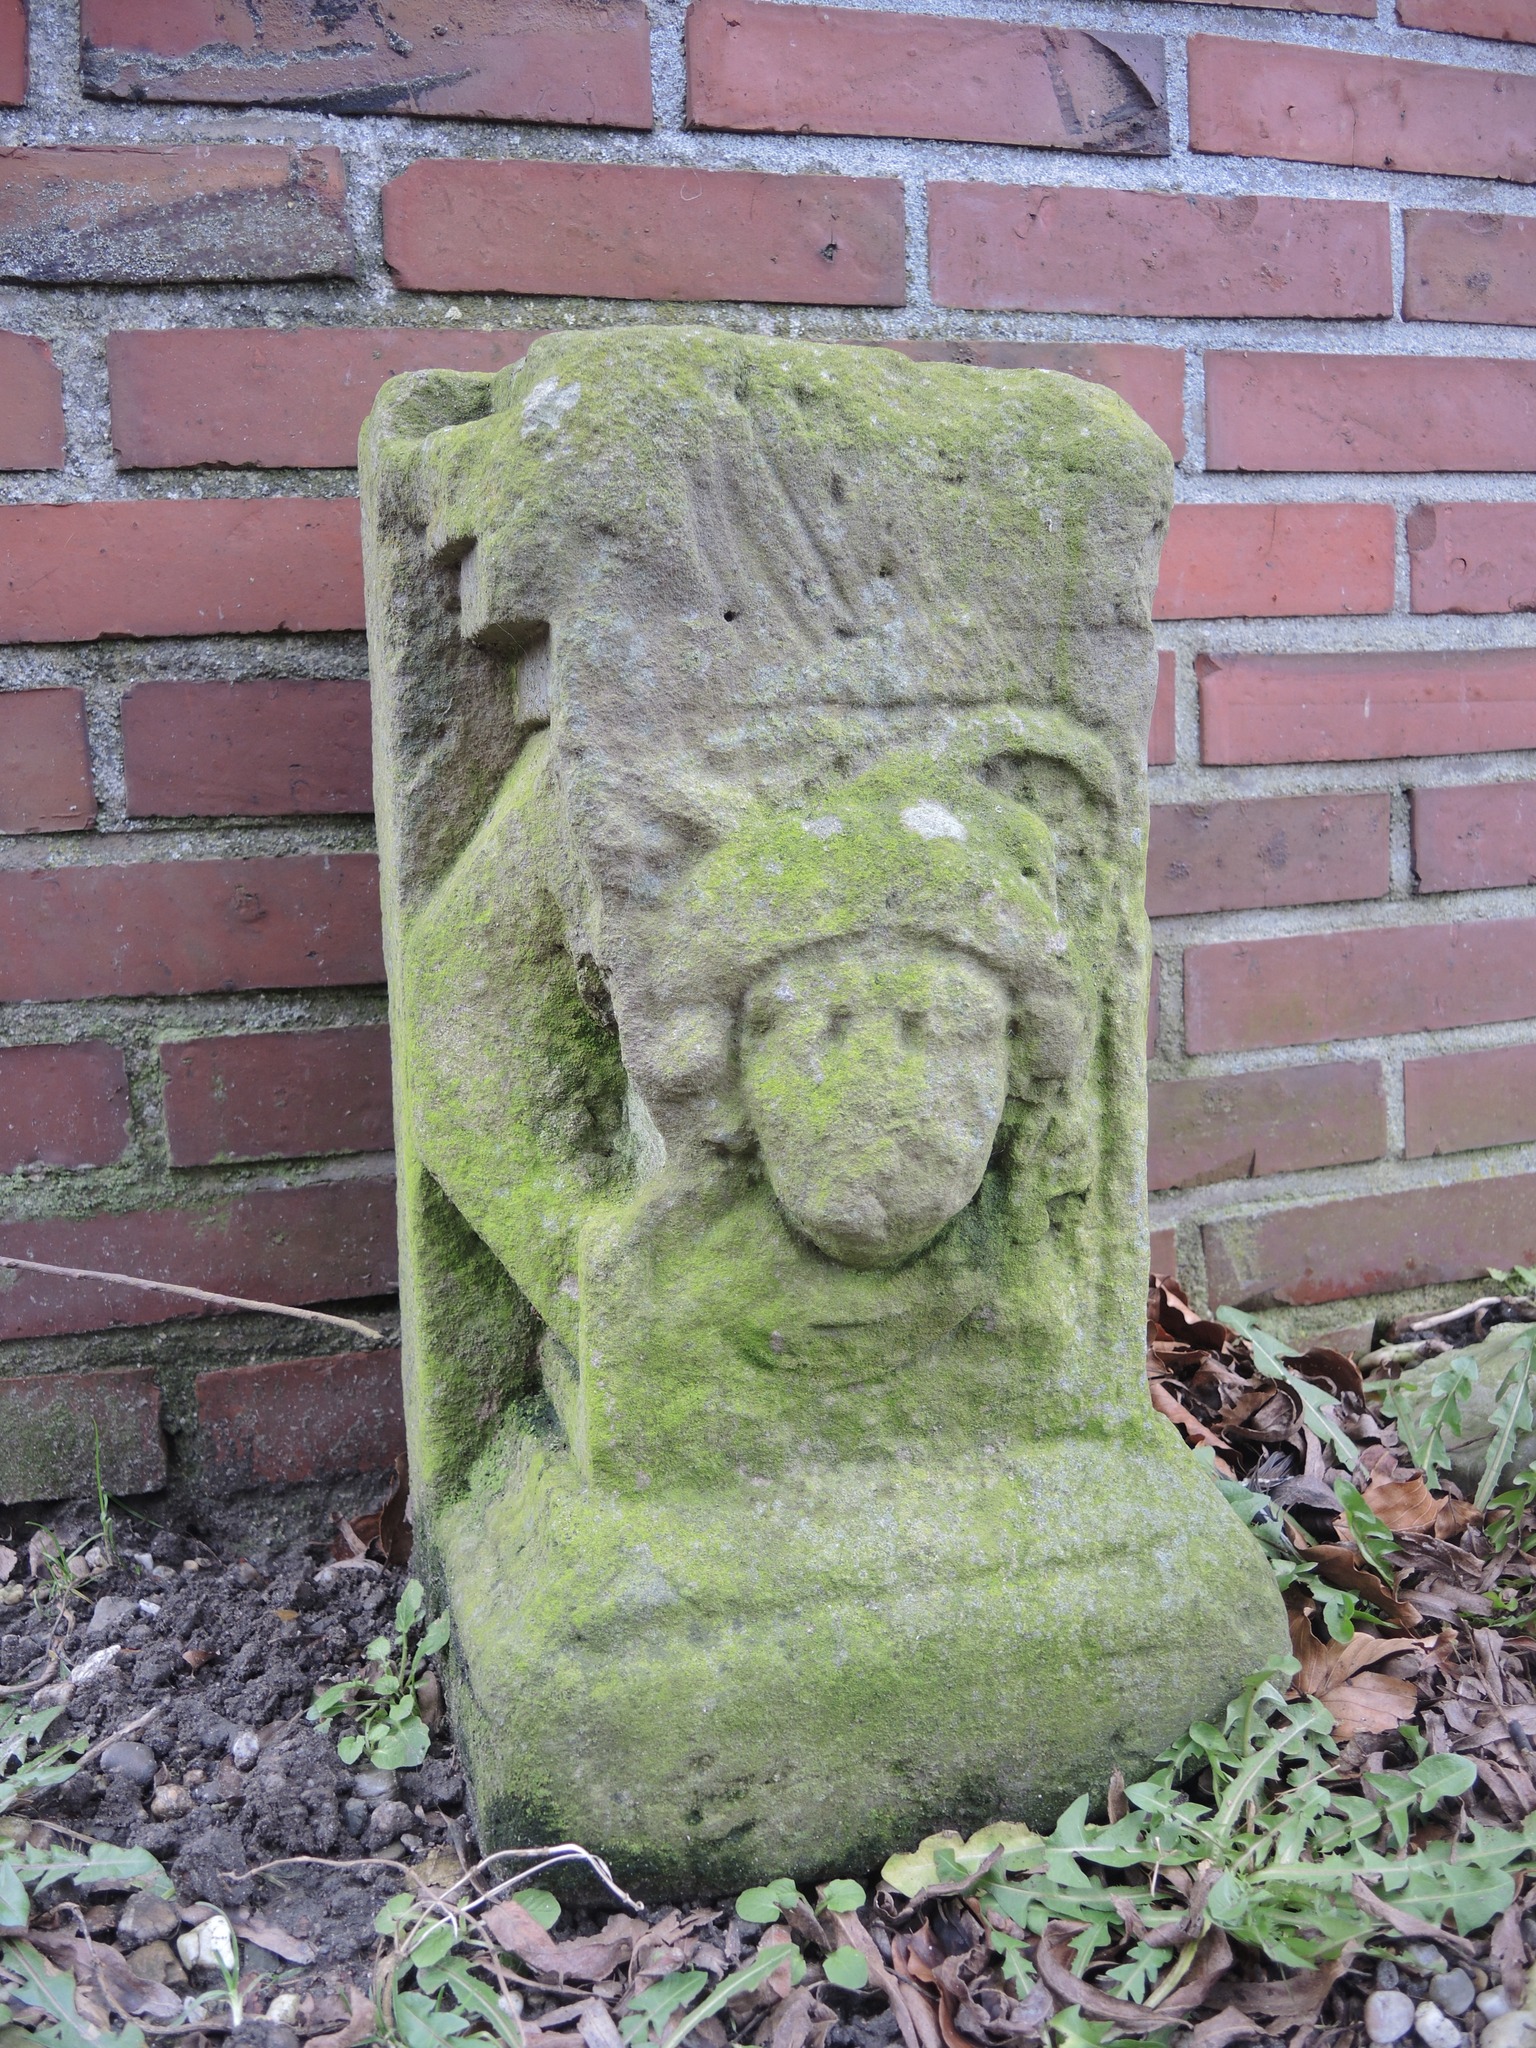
(267, 1308)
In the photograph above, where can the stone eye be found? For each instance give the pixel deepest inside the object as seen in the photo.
(837, 1023)
(912, 1024)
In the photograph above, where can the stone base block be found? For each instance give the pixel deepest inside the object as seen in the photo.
(799, 1676)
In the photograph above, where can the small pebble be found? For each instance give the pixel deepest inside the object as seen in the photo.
(1453, 1991)
(374, 1786)
(171, 1802)
(244, 1748)
(1515, 2029)
(130, 1760)
(109, 1614)
(58, 1695)
(149, 1607)
(1388, 2016)
(155, 1963)
(1424, 1957)
(1386, 1974)
(354, 1816)
(1494, 2003)
(146, 1918)
(284, 2009)
(389, 1820)
(1436, 2029)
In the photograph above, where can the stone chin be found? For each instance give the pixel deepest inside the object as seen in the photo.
(874, 1075)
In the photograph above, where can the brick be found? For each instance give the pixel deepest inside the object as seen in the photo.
(45, 762)
(177, 927)
(1469, 266)
(247, 750)
(763, 66)
(1377, 413)
(1261, 852)
(62, 1105)
(1161, 747)
(1344, 107)
(622, 231)
(1358, 984)
(1466, 1101)
(92, 213)
(31, 404)
(180, 566)
(1365, 9)
(13, 53)
(1472, 558)
(254, 398)
(1375, 1244)
(1164, 1250)
(300, 1419)
(330, 1241)
(1287, 1120)
(1066, 249)
(1259, 709)
(54, 1423)
(1150, 380)
(1276, 561)
(1507, 21)
(499, 60)
(1481, 837)
(277, 1095)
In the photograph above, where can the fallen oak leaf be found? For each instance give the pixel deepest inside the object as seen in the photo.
(1213, 1958)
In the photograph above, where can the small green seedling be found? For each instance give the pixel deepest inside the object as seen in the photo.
(382, 1703)
(25, 1767)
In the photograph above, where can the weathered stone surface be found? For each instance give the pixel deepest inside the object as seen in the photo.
(760, 743)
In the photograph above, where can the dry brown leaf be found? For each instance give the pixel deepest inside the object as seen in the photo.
(268, 1935)
(1369, 1705)
(1327, 1663)
(1222, 2028)
(1410, 1924)
(1453, 1518)
(514, 1928)
(856, 1935)
(1213, 1958)
(1340, 1564)
(357, 2029)
(1165, 1404)
(93, 1963)
(801, 2020)
(1294, 1998)
(1506, 1952)
(1403, 1503)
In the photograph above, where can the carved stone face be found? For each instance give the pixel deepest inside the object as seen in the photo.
(875, 1075)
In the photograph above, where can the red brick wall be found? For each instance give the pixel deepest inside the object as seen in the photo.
(1300, 241)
